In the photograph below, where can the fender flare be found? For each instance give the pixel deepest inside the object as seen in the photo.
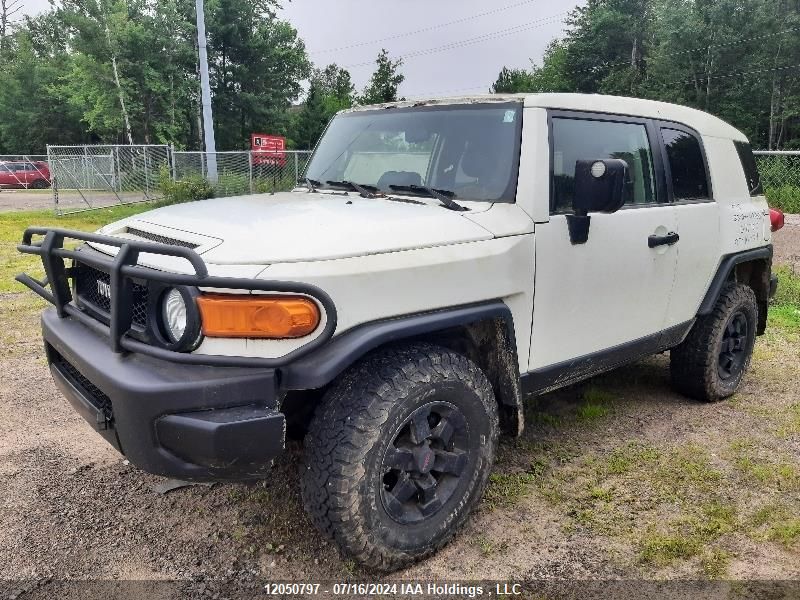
(724, 271)
(323, 365)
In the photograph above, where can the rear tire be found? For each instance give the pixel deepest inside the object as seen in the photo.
(40, 184)
(399, 453)
(710, 363)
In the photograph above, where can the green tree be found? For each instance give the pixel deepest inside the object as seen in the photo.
(330, 90)
(122, 70)
(32, 109)
(513, 81)
(385, 81)
(257, 64)
(549, 77)
(734, 58)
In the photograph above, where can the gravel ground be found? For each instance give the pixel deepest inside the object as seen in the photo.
(560, 506)
(787, 243)
(20, 199)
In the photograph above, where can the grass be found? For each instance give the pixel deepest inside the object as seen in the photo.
(596, 404)
(777, 522)
(784, 197)
(749, 460)
(624, 459)
(12, 225)
(715, 563)
(686, 537)
(791, 421)
(19, 324)
(507, 488)
(788, 293)
(488, 547)
(662, 549)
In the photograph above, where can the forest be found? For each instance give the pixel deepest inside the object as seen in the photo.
(737, 59)
(125, 71)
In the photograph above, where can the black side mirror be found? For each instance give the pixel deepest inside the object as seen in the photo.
(599, 187)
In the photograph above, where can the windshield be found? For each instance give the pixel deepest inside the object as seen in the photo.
(471, 151)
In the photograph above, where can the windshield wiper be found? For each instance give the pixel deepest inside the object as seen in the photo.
(313, 184)
(443, 196)
(366, 191)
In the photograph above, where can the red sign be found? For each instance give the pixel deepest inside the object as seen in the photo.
(268, 149)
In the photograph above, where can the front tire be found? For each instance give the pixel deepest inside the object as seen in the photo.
(399, 453)
(711, 361)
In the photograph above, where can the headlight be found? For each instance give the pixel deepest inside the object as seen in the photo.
(174, 315)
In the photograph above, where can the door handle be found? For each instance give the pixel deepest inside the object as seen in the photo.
(663, 240)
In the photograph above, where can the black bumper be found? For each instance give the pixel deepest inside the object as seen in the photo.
(190, 422)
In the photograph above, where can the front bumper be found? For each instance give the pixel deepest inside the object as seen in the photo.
(191, 422)
(173, 413)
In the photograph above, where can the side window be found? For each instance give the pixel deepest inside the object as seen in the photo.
(689, 181)
(583, 139)
(750, 167)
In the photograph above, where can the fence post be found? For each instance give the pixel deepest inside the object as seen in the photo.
(172, 161)
(296, 169)
(86, 167)
(250, 163)
(146, 172)
(115, 169)
(53, 180)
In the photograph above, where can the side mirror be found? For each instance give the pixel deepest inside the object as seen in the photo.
(599, 187)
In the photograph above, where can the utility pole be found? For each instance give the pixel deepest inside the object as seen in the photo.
(205, 88)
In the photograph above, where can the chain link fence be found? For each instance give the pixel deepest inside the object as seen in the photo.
(780, 176)
(241, 173)
(88, 177)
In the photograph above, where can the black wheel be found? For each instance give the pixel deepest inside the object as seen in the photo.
(40, 184)
(399, 453)
(711, 361)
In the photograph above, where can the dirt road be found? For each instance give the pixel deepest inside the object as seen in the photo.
(618, 478)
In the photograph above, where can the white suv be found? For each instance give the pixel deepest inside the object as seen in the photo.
(446, 259)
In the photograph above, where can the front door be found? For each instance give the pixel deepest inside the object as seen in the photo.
(613, 291)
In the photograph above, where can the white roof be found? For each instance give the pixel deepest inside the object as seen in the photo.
(702, 122)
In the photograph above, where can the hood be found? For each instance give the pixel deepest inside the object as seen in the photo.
(297, 226)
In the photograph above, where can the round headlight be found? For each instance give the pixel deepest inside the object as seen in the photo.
(174, 315)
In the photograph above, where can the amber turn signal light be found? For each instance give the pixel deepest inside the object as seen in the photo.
(275, 317)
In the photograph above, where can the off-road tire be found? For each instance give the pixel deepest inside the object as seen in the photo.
(349, 437)
(694, 363)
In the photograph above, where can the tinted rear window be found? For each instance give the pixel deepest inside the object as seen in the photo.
(686, 164)
(750, 168)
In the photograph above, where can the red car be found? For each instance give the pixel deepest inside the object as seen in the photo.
(25, 173)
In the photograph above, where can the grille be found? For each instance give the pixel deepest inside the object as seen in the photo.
(88, 290)
(161, 239)
(98, 399)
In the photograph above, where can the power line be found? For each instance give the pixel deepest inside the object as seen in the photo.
(472, 41)
(702, 77)
(425, 29)
(689, 51)
(676, 53)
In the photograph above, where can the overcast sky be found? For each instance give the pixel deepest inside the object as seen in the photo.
(449, 46)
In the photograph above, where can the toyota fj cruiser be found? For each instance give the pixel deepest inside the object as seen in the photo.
(446, 259)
